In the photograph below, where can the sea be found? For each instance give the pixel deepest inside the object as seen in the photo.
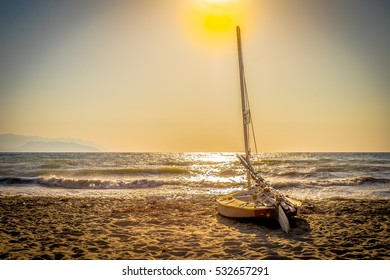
(173, 175)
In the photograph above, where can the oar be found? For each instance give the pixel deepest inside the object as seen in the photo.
(283, 220)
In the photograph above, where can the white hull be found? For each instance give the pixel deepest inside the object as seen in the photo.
(240, 205)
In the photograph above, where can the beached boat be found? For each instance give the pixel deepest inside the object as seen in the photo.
(259, 200)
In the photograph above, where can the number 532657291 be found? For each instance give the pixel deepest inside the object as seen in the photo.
(246, 270)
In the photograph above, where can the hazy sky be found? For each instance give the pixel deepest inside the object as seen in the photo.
(162, 75)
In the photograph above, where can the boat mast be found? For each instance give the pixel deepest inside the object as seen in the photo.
(244, 102)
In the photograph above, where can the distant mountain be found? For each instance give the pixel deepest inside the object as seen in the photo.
(20, 143)
(55, 146)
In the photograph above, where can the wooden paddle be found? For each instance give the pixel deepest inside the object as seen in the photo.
(283, 220)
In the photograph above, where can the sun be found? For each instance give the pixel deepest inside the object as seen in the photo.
(218, 22)
(219, 15)
(211, 24)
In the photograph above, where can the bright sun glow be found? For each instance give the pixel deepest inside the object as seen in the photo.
(210, 24)
(220, 15)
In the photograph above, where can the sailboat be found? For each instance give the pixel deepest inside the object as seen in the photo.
(259, 199)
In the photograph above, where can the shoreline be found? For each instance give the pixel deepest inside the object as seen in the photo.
(107, 228)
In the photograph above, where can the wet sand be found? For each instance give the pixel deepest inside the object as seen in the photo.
(34, 227)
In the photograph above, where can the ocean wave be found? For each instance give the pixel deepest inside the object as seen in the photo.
(230, 172)
(356, 181)
(346, 182)
(289, 173)
(17, 181)
(66, 182)
(286, 184)
(57, 164)
(289, 162)
(130, 171)
(215, 185)
(73, 183)
(351, 168)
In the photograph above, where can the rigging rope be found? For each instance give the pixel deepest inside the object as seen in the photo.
(250, 114)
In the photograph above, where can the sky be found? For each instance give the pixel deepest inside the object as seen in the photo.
(162, 75)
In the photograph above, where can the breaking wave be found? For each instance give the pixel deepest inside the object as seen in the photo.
(72, 183)
(357, 181)
(81, 183)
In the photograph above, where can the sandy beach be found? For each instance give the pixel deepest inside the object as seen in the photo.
(36, 227)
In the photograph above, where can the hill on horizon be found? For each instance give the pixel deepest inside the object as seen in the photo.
(21, 143)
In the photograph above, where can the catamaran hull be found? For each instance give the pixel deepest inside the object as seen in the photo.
(240, 205)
